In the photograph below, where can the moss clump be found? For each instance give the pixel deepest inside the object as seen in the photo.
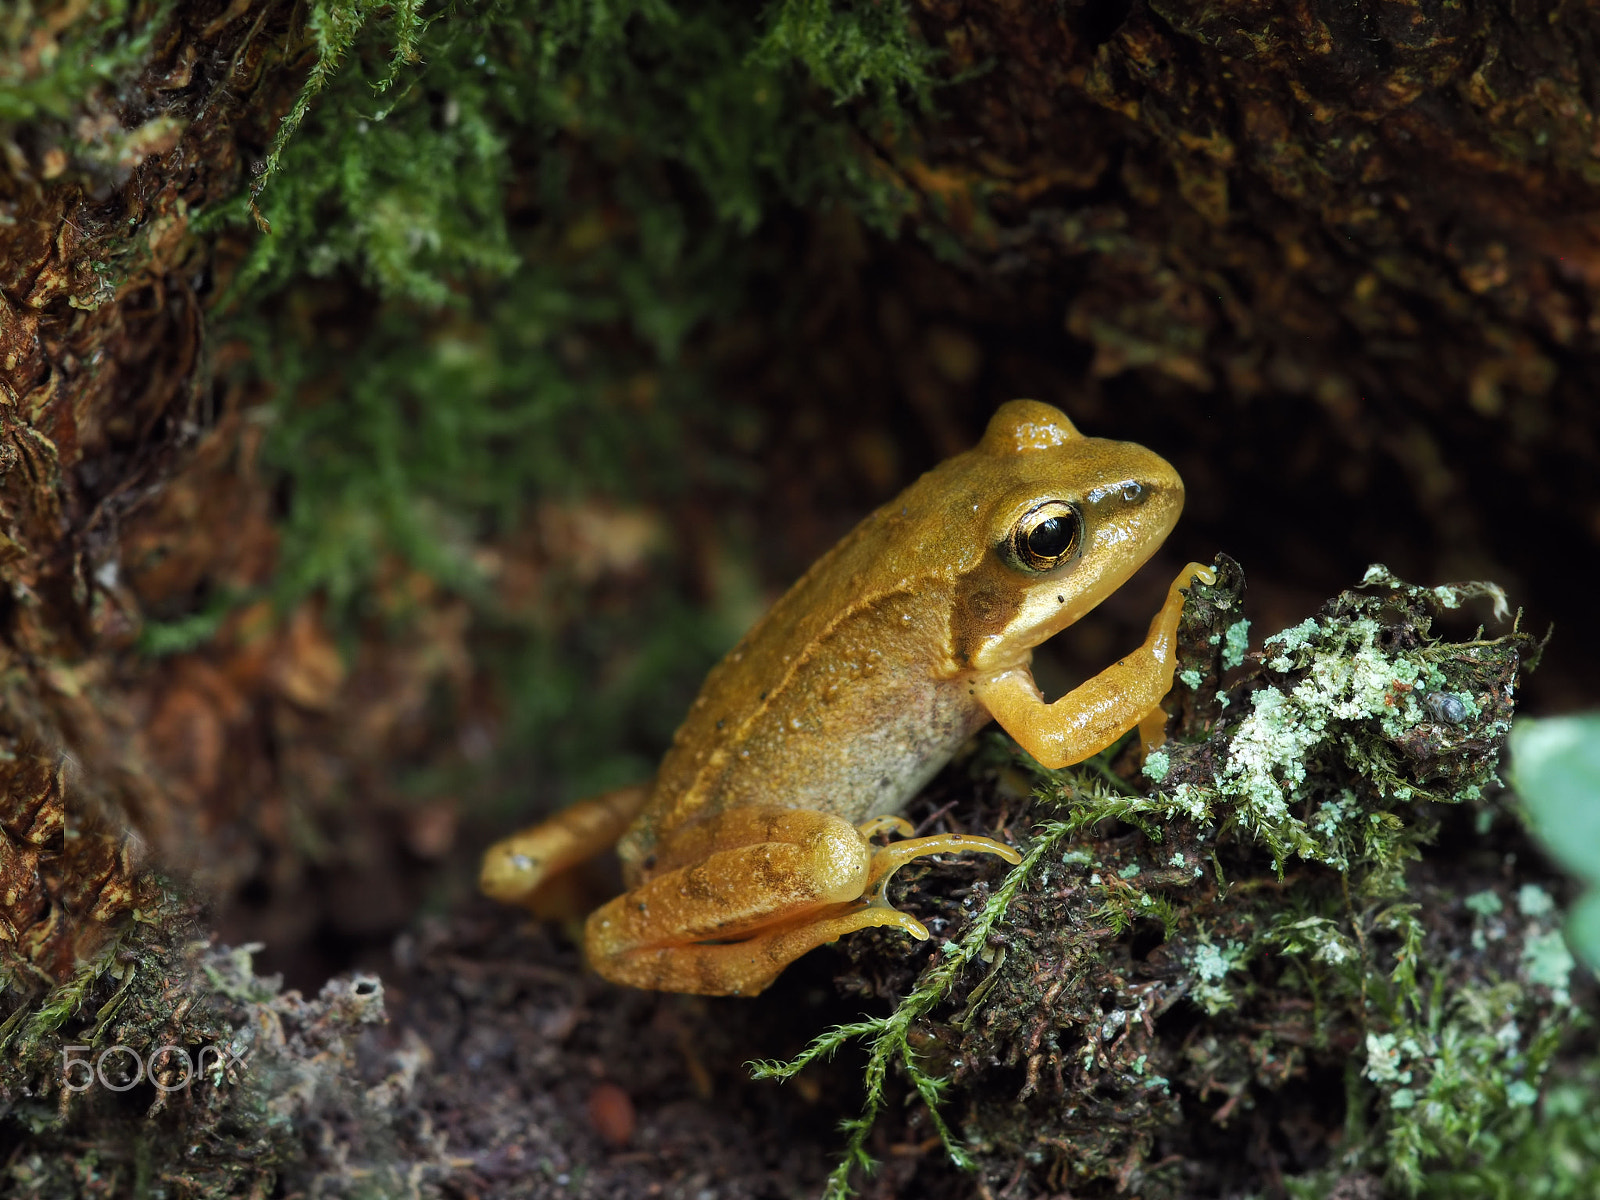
(550, 200)
(1267, 924)
(1549, 1148)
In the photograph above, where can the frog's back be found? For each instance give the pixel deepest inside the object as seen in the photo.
(839, 698)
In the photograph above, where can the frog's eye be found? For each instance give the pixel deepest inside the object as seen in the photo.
(1047, 536)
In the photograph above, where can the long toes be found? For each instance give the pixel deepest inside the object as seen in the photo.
(876, 825)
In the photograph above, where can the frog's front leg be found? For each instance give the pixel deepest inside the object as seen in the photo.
(762, 887)
(1100, 710)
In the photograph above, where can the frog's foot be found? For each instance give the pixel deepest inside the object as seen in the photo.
(886, 860)
(527, 868)
(1152, 732)
(1100, 710)
(730, 922)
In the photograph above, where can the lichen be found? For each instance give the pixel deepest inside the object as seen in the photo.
(1235, 642)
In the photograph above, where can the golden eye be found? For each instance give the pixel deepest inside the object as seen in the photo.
(1047, 536)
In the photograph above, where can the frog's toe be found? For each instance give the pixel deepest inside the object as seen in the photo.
(873, 826)
(886, 860)
(892, 918)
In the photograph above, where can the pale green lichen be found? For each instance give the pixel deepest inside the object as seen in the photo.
(1484, 904)
(1378, 575)
(1386, 1058)
(1448, 595)
(1211, 965)
(1236, 644)
(1290, 640)
(1348, 679)
(1534, 901)
(1549, 963)
(1521, 1094)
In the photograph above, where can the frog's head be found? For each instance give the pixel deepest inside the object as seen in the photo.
(1066, 519)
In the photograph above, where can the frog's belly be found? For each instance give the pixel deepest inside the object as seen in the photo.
(907, 752)
(856, 756)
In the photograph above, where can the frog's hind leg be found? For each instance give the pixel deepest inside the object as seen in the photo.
(731, 921)
(527, 867)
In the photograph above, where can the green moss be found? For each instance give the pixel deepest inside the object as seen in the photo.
(850, 50)
(48, 69)
(417, 118)
(888, 1037)
(546, 201)
(498, 231)
(1549, 1149)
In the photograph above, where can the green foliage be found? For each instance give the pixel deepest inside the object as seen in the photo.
(334, 26)
(438, 442)
(648, 138)
(854, 51)
(46, 71)
(158, 639)
(1555, 767)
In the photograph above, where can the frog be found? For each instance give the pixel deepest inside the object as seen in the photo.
(767, 829)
